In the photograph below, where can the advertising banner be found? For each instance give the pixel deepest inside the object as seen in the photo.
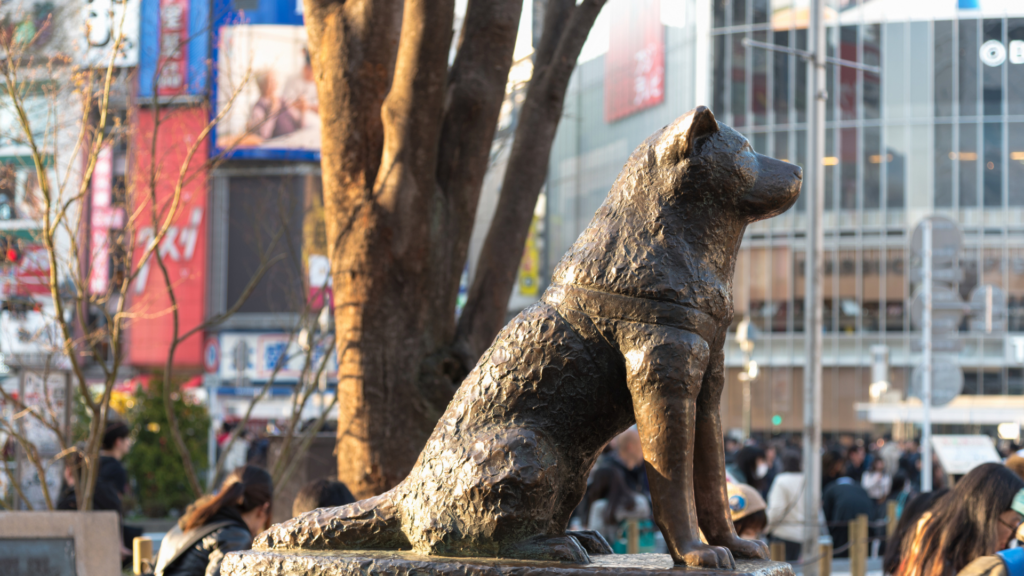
(264, 80)
(260, 353)
(103, 217)
(183, 248)
(42, 393)
(635, 63)
(105, 20)
(959, 454)
(30, 275)
(321, 290)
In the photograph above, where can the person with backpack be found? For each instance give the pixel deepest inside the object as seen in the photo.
(217, 524)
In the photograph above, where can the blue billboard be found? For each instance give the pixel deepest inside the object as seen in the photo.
(262, 82)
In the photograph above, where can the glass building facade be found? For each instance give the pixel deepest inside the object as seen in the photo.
(939, 131)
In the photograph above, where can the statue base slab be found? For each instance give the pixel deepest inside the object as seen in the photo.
(370, 563)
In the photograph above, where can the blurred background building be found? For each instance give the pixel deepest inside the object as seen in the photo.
(939, 131)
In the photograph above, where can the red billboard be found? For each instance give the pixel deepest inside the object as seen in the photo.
(183, 248)
(635, 64)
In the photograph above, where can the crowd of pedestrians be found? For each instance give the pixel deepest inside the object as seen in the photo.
(945, 532)
(939, 533)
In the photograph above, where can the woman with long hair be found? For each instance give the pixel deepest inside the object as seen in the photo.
(972, 521)
(912, 513)
(217, 524)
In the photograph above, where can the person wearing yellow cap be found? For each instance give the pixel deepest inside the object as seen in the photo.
(748, 510)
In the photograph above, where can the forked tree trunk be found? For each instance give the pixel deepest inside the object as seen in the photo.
(566, 26)
(406, 144)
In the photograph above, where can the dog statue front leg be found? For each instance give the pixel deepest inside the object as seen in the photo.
(709, 457)
(664, 371)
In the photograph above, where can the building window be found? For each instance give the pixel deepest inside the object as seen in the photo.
(944, 68)
(992, 76)
(966, 158)
(968, 66)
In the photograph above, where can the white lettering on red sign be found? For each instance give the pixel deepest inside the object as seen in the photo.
(102, 190)
(648, 75)
(172, 64)
(178, 245)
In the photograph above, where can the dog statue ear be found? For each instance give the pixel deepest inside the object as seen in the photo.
(702, 123)
(683, 134)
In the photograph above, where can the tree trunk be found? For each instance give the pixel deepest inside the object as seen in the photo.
(405, 148)
(566, 26)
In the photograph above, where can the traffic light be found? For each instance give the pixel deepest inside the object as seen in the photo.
(10, 250)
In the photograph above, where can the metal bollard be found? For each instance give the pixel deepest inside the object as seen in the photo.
(825, 559)
(890, 518)
(778, 550)
(142, 555)
(632, 536)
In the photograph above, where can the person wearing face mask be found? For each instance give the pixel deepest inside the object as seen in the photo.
(749, 466)
(975, 521)
(217, 524)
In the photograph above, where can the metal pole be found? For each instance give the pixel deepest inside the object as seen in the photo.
(19, 450)
(926, 385)
(745, 379)
(211, 436)
(812, 294)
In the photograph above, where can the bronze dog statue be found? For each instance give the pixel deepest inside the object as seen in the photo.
(630, 330)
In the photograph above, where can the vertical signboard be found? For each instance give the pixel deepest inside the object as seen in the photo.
(102, 219)
(183, 248)
(321, 290)
(635, 63)
(172, 77)
(174, 47)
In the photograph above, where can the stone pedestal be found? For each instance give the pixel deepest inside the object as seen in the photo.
(370, 563)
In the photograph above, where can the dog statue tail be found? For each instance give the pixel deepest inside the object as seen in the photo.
(371, 524)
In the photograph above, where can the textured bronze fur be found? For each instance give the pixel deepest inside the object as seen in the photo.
(631, 330)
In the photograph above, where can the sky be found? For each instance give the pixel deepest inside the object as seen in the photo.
(672, 14)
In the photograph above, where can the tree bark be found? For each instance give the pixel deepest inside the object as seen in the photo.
(405, 148)
(566, 26)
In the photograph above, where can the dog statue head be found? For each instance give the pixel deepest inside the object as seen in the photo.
(701, 161)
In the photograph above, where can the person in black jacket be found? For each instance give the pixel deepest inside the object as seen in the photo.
(843, 501)
(111, 481)
(217, 524)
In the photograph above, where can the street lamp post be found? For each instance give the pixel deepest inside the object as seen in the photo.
(812, 294)
(746, 343)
